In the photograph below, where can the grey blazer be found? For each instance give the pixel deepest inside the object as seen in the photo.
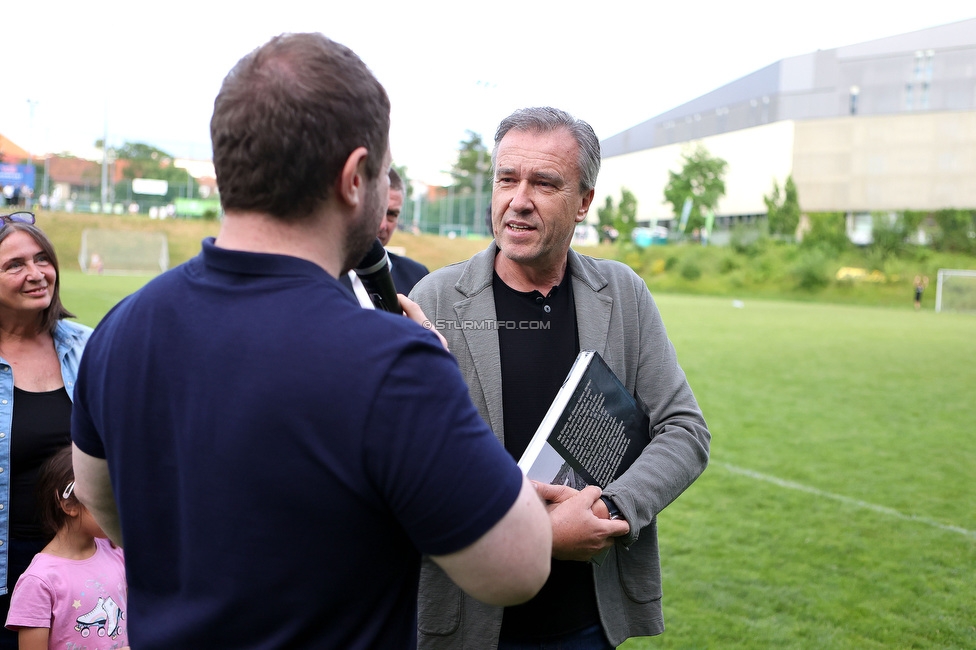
(617, 317)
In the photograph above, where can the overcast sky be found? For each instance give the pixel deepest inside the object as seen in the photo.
(150, 72)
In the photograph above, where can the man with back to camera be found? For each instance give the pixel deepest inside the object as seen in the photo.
(545, 168)
(406, 272)
(274, 457)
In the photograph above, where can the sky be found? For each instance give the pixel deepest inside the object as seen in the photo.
(75, 72)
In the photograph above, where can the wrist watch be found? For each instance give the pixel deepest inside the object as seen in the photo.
(611, 507)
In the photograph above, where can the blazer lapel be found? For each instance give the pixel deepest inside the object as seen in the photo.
(592, 307)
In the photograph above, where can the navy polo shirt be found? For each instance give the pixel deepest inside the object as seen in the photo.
(280, 456)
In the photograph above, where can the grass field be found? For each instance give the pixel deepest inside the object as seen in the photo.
(839, 509)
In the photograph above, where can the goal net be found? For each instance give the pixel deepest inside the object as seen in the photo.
(956, 290)
(119, 252)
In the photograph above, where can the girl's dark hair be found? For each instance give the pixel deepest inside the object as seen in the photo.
(55, 475)
(55, 311)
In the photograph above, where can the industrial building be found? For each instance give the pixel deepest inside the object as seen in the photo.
(885, 125)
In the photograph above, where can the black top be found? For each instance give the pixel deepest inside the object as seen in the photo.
(41, 426)
(538, 342)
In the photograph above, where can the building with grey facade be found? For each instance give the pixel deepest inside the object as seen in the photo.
(886, 125)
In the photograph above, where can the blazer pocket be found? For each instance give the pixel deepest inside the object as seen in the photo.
(438, 601)
(640, 567)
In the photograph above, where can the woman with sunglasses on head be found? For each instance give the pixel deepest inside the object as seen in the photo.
(39, 355)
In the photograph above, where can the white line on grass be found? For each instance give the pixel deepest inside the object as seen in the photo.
(839, 497)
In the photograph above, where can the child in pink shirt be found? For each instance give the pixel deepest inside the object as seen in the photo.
(73, 595)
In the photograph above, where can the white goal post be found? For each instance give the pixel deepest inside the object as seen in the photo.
(122, 252)
(956, 290)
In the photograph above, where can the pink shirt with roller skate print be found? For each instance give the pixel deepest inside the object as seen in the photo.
(82, 601)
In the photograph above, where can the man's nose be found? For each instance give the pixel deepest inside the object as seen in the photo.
(522, 200)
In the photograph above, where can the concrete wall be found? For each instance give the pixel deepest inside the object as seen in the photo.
(922, 161)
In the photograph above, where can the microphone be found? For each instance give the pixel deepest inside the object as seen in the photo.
(374, 273)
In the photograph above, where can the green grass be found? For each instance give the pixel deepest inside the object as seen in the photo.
(89, 297)
(838, 510)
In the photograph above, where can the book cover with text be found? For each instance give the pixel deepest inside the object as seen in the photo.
(593, 431)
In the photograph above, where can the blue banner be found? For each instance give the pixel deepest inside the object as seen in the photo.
(16, 175)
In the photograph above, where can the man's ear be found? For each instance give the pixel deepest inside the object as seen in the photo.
(352, 180)
(585, 205)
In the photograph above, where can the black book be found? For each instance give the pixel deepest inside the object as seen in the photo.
(593, 431)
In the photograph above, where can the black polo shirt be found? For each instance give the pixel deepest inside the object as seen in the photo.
(537, 344)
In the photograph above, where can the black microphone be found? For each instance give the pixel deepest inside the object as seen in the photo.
(374, 273)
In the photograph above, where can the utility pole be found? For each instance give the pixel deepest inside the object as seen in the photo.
(479, 184)
(32, 103)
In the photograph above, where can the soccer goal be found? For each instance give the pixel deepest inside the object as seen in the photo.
(121, 252)
(956, 290)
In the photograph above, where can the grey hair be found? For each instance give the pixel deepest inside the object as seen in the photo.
(546, 119)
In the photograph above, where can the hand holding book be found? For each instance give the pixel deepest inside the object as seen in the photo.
(577, 532)
(593, 431)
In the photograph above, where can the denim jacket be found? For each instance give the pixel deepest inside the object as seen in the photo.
(69, 342)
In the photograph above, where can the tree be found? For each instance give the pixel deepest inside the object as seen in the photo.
(620, 220)
(888, 235)
(828, 232)
(783, 215)
(146, 161)
(626, 214)
(701, 180)
(401, 170)
(474, 160)
(607, 215)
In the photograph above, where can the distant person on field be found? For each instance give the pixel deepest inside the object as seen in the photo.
(545, 168)
(274, 457)
(404, 270)
(73, 595)
(921, 282)
(96, 263)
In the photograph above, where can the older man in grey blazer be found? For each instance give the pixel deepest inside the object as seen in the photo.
(515, 316)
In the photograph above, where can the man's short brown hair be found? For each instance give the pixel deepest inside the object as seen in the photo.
(285, 121)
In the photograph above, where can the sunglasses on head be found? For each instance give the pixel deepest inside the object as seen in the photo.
(18, 217)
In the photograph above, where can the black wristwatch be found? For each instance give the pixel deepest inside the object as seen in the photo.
(611, 507)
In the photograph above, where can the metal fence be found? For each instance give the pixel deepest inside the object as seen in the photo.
(450, 216)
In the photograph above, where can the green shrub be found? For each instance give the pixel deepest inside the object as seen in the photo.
(690, 270)
(810, 271)
(728, 264)
(671, 262)
(957, 231)
(921, 253)
(748, 240)
(888, 236)
(761, 270)
(828, 231)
